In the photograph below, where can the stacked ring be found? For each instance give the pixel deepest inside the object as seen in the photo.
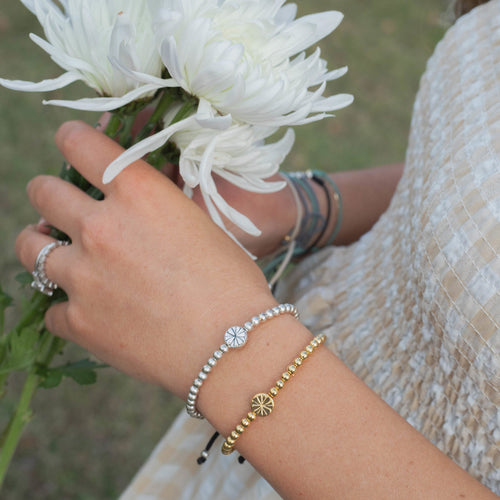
(40, 280)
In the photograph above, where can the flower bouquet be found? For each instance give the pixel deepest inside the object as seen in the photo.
(216, 79)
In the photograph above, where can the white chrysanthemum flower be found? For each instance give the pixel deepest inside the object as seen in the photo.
(239, 154)
(245, 60)
(84, 37)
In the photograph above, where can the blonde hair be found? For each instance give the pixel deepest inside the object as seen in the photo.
(464, 6)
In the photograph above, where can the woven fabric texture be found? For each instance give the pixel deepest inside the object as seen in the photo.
(413, 308)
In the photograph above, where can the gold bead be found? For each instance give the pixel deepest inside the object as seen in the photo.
(235, 435)
(251, 416)
(240, 429)
(285, 376)
(292, 369)
(298, 361)
(245, 422)
(280, 384)
(227, 449)
(230, 441)
(309, 348)
(304, 354)
(314, 343)
(273, 392)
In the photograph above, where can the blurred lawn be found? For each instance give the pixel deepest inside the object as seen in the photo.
(86, 443)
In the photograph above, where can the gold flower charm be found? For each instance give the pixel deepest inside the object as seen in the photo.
(262, 404)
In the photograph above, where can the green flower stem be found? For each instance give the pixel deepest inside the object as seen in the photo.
(35, 312)
(187, 110)
(126, 131)
(167, 99)
(114, 125)
(158, 158)
(23, 413)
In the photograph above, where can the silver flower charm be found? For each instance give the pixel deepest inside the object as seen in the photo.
(236, 336)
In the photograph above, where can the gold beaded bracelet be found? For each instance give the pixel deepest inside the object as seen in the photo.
(262, 404)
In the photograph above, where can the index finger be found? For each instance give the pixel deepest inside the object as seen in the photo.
(90, 152)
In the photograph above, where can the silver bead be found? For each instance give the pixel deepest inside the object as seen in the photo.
(224, 348)
(198, 382)
(218, 354)
(262, 317)
(212, 361)
(202, 376)
(204, 454)
(194, 390)
(255, 320)
(276, 311)
(248, 326)
(207, 368)
(269, 314)
(282, 308)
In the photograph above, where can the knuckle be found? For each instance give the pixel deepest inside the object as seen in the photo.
(75, 319)
(76, 275)
(68, 136)
(20, 247)
(92, 231)
(50, 321)
(39, 190)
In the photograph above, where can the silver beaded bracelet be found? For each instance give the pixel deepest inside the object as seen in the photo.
(235, 337)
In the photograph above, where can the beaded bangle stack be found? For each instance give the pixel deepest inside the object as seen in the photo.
(262, 404)
(235, 337)
(312, 226)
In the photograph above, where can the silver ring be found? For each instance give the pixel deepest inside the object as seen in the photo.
(40, 280)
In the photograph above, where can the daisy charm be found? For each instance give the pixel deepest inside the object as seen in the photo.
(236, 336)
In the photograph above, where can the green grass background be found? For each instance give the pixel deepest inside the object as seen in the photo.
(87, 442)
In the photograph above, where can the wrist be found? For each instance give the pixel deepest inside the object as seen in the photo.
(252, 369)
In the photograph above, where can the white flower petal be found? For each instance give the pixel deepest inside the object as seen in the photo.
(144, 77)
(142, 148)
(104, 103)
(286, 14)
(168, 52)
(322, 25)
(43, 86)
(206, 117)
(333, 103)
(336, 73)
(242, 221)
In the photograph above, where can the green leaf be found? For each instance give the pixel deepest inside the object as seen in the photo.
(5, 300)
(20, 350)
(51, 379)
(25, 278)
(82, 372)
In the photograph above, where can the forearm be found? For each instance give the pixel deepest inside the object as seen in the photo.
(366, 195)
(329, 435)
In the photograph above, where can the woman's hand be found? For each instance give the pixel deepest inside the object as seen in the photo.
(151, 281)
